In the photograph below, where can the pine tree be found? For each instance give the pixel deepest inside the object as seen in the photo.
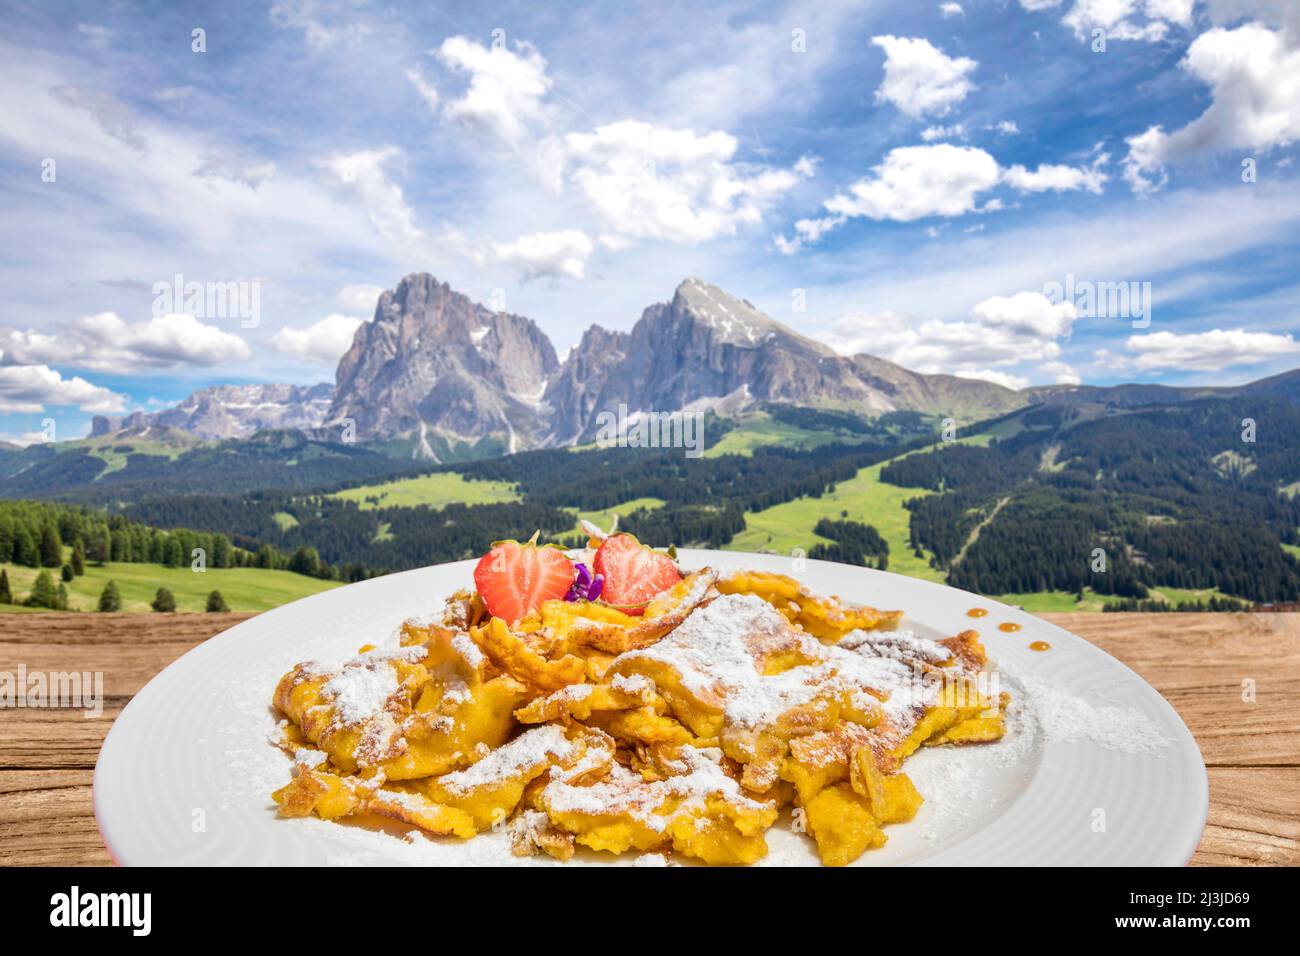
(66, 574)
(109, 598)
(51, 547)
(164, 601)
(26, 551)
(62, 599)
(6, 595)
(43, 592)
(79, 558)
(216, 603)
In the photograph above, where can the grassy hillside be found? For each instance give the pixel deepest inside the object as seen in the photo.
(865, 498)
(436, 491)
(759, 429)
(245, 589)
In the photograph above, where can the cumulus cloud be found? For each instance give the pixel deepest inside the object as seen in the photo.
(321, 343)
(1057, 178)
(916, 182)
(1254, 80)
(950, 10)
(548, 254)
(108, 343)
(359, 299)
(651, 182)
(1001, 332)
(920, 78)
(506, 87)
(1207, 351)
(1005, 379)
(1026, 313)
(28, 389)
(1062, 373)
(1148, 20)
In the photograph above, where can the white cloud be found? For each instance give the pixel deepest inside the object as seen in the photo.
(915, 182)
(548, 254)
(1147, 20)
(1002, 331)
(920, 78)
(305, 17)
(1254, 79)
(955, 131)
(428, 92)
(28, 389)
(649, 182)
(505, 87)
(321, 343)
(1039, 4)
(1062, 373)
(108, 343)
(949, 10)
(1026, 313)
(1006, 127)
(918, 181)
(1058, 178)
(1005, 379)
(22, 439)
(1208, 351)
(364, 172)
(359, 299)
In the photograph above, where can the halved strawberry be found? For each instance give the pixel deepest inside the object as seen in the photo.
(633, 573)
(515, 578)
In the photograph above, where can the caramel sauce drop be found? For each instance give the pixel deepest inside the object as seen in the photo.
(977, 612)
(1040, 646)
(1009, 626)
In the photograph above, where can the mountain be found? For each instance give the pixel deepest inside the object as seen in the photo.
(1285, 385)
(443, 370)
(448, 374)
(231, 411)
(706, 346)
(144, 460)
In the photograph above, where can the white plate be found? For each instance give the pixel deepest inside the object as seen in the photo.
(186, 773)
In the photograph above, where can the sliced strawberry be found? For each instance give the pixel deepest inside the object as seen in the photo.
(633, 573)
(514, 579)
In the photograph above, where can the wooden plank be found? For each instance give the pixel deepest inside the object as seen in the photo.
(32, 739)
(48, 629)
(1254, 818)
(47, 819)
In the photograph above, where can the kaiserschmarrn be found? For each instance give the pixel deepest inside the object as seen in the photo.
(686, 721)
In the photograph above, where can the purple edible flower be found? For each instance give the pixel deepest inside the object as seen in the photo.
(585, 588)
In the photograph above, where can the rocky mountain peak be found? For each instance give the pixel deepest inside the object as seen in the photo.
(435, 359)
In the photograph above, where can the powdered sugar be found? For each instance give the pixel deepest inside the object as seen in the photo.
(536, 746)
(1061, 715)
(626, 792)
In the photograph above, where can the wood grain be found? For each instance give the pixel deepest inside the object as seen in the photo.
(1200, 662)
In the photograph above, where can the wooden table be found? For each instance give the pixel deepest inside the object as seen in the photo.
(1198, 661)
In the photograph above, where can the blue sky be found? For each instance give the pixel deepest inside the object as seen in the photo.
(918, 180)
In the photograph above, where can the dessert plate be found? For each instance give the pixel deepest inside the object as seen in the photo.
(1096, 768)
